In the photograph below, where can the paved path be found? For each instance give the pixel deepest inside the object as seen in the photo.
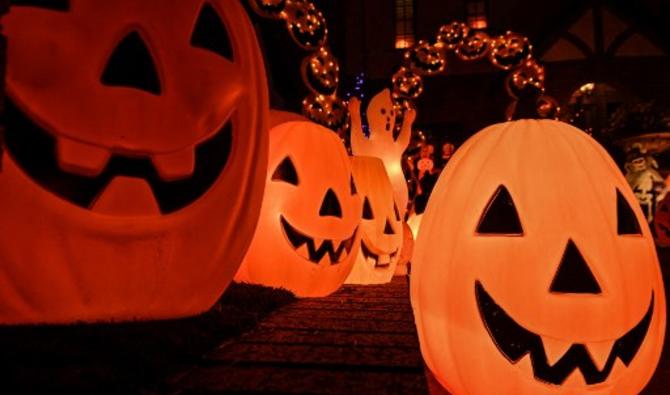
(360, 340)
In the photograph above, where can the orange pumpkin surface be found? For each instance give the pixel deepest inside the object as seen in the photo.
(381, 117)
(524, 284)
(307, 236)
(137, 148)
(381, 225)
(414, 223)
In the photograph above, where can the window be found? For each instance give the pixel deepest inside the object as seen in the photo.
(404, 23)
(476, 14)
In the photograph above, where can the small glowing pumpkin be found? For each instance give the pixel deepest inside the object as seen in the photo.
(523, 283)
(381, 225)
(307, 236)
(136, 150)
(402, 268)
(414, 223)
(381, 144)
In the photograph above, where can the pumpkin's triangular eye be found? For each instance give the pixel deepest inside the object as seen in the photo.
(397, 213)
(500, 216)
(626, 221)
(56, 5)
(353, 185)
(367, 209)
(286, 172)
(211, 34)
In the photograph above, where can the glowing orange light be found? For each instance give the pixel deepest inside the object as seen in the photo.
(132, 250)
(496, 243)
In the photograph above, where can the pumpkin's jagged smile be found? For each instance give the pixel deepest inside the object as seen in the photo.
(514, 342)
(298, 239)
(368, 254)
(34, 150)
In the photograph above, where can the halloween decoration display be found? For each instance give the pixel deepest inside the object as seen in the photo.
(522, 289)
(452, 34)
(511, 52)
(425, 163)
(381, 143)
(475, 46)
(529, 75)
(426, 57)
(307, 237)
(447, 151)
(406, 84)
(134, 172)
(320, 69)
(381, 224)
(402, 268)
(645, 181)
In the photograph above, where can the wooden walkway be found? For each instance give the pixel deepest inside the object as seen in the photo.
(360, 340)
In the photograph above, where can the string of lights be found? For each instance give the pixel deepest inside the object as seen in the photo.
(320, 70)
(510, 52)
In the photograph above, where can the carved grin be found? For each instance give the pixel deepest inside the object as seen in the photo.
(368, 254)
(514, 342)
(34, 150)
(336, 254)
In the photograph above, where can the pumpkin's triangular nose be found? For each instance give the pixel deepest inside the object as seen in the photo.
(330, 205)
(573, 274)
(388, 229)
(131, 65)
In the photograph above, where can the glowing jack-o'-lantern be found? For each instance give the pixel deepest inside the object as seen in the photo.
(307, 239)
(414, 223)
(402, 268)
(381, 225)
(136, 154)
(381, 144)
(522, 283)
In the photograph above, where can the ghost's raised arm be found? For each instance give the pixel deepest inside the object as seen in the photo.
(406, 128)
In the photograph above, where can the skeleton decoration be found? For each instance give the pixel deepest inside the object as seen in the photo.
(645, 181)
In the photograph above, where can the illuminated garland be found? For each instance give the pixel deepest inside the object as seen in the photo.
(510, 52)
(320, 70)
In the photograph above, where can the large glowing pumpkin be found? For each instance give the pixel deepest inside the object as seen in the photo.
(381, 143)
(381, 225)
(535, 271)
(136, 155)
(307, 238)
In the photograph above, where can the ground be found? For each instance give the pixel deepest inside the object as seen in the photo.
(360, 340)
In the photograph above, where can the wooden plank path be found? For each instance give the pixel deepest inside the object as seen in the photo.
(360, 340)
